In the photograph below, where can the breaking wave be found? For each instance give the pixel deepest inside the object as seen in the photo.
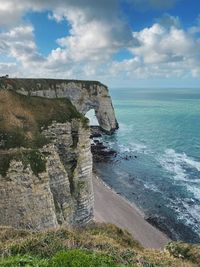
(179, 164)
(134, 147)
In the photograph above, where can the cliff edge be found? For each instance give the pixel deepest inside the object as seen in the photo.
(84, 95)
(45, 150)
(45, 163)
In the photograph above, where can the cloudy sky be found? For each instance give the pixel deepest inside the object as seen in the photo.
(130, 43)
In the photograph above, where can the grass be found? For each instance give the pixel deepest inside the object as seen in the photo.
(70, 258)
(22, 118)
(185, 251)
(24, 261)
(97, 245)
(32, 157)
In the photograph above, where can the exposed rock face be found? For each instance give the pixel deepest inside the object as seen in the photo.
(84, 95)
(69, 166)
(45, 150)
(26, 201)
(63, 194)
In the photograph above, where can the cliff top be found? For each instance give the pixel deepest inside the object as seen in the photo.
(33, 84)
(96, 245)
(23, 117)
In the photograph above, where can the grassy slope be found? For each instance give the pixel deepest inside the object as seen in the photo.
(22, 117)
(97, 245)
(21, 121)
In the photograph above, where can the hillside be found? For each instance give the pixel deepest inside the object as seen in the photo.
(22, 118)
(97, 245)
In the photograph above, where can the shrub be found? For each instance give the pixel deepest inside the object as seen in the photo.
(81, 258)
(185, 251)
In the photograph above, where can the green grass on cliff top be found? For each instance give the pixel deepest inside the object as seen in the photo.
(98, 245)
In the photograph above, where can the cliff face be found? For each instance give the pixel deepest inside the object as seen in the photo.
(84, 95)
(69, 166)
(62, 194)
(45, 163)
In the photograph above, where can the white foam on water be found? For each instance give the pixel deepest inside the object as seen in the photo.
(195, 190)
(152, 187)
(134, 147)
(192, 163)
(187, 212)
(177, 163)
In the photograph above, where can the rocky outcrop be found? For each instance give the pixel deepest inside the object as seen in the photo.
(69, 166)
(85, 95)
(62, 194)
(45, 150)
(26, 200)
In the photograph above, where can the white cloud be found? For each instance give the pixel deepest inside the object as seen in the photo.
(97, 32)
(163, 52)
(19, 44)
(159, 44)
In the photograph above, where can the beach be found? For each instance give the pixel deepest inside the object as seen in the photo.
(110, 207)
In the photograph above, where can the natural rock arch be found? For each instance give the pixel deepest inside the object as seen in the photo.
(85, 95)
(92, 117)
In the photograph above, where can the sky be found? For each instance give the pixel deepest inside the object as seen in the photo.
(122, 43)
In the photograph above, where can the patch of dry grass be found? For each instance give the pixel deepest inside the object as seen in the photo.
(97, 238)
(23, 117)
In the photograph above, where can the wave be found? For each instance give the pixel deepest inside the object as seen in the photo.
(134, 147)
(195, 191)
(188, 211)
(152, 187)
(179, 163)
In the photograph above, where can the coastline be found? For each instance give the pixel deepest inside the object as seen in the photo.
(111, 207)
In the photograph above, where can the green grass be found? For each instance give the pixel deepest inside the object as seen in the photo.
(98, 245)
(32, 157)
(81, 258)
(24, 261)
(70, 258)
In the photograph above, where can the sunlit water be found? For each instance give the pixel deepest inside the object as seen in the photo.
(158, 162)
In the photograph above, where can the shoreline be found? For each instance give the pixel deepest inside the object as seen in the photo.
(111, 207)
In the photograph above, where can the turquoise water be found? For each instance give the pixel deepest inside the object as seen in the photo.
(158, 162)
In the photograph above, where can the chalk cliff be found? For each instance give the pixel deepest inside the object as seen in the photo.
(45, 151)
(84, 95)
(62, 193)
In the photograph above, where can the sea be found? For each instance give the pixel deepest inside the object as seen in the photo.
(158, 156)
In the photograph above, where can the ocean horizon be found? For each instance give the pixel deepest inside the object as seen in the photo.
(158, 161)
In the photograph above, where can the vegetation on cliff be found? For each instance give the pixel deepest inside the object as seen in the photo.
(22, 119)
(97, 245)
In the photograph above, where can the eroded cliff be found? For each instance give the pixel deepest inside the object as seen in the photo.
(45, 163)
(84, 95)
